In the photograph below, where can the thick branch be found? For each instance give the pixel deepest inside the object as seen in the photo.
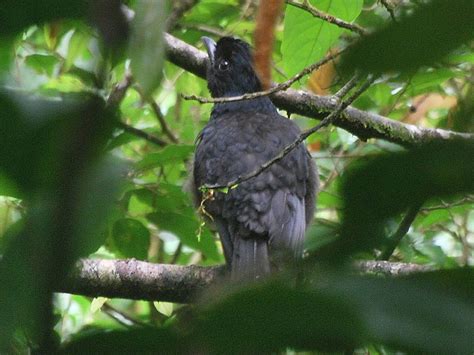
(133, 279)
(360, 123)
(139, 280)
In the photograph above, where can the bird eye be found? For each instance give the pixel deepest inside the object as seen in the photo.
(224, 65)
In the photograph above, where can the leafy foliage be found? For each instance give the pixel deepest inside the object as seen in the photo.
(76, 181)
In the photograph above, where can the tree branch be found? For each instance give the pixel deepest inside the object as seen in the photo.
(279, 87)
(363, 124)
(139, 280)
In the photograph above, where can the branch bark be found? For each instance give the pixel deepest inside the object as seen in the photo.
(363, 124)
(139, 280)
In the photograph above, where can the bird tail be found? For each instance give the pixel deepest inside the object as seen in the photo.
(250, 259)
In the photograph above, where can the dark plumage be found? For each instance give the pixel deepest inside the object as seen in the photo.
(262, 221)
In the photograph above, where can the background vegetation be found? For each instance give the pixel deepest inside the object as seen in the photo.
(87, 172)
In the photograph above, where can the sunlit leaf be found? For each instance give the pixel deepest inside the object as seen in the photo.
(307, 39)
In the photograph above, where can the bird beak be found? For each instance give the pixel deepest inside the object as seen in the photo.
(210, 47)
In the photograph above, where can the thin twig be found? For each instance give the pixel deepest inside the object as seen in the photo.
(389, 8)
(464, 201)
(179, 9)
(164, 126)
(203, 28)
(347, 87)
(119, 90)
(177, 253)
(157, 111)
(115, 98)
(121, 317)
(142, 134)
(326, 121)
(306, 6)
(403, 228)
(280, 87)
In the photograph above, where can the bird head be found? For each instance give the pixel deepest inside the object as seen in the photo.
(230, 71)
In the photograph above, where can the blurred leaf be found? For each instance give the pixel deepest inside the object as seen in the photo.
(8, 187)
(146, 44)
(423, 313)
(165, 308)
(52, 152)
(97, 303)
(51, 32)
(96, 193)
(6, 54)
(132, 341)
(131, 238)
(414, 41)
(384, 186)
(18, 15)
(433, 217)
(213, 12)
(65, 83)
(269, 317)
(168, 155)
(109, 18)
(319, 233)
(306, 39)
(430, 81)
(121, 139)
(42, 63)
(141, 202)
(76, 46)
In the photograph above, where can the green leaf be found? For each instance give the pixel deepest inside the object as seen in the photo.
(131, 238)
(168, 155)
(186, 227)
(141, 202)
(121, 139)
(306, 39)
(64, 83)
(429, 81)
(147, 45)
(77, 44)
(42, 63)
(414, 41)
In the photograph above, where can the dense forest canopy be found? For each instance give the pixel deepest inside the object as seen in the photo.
(101, 104)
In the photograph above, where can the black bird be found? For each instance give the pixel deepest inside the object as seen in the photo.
(262, 221)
